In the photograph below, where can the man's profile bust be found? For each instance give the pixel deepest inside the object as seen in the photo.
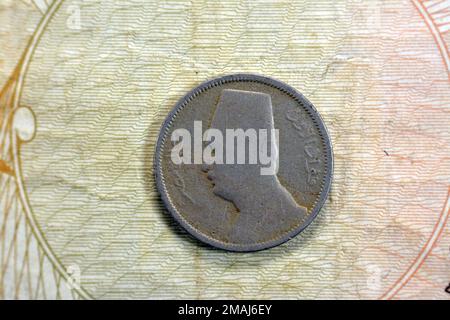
(261, 200)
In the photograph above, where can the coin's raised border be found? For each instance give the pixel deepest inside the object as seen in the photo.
(298, 97)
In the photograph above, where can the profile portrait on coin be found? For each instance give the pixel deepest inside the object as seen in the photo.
(236, 169)
(261, 200)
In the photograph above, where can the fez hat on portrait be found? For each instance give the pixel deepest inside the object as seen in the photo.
(238, 109)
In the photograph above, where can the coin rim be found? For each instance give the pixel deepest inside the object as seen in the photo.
(246, 77)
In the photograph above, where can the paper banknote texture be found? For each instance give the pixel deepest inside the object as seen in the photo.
(87, 84)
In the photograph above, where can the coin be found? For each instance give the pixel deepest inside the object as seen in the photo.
(244, 162)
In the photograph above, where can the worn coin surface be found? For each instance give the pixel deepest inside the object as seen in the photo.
(252, 201)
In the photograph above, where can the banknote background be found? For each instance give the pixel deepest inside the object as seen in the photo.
(87, 84)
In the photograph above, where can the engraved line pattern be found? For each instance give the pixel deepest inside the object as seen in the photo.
(42, 5)
(439, 10)
(432, 12)
(25, 271)
(432, 25)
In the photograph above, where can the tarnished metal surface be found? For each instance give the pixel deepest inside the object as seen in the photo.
(233, 206)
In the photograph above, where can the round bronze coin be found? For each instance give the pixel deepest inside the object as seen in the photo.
(244, 162)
